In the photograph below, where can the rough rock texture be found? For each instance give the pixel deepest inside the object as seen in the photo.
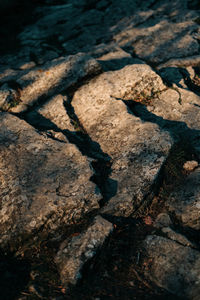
(43, 182)
(77, 143)
(185, 201)
(173, 266)
(137, 150)
(51, 115)
(74, 253)
(55, 76)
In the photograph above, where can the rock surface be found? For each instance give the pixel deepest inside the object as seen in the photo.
(173, 266)
(137, 150)
(185, 201)
(100, 110)
(74, 253)
(44, 183)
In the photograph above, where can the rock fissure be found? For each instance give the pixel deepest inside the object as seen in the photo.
(99, 150)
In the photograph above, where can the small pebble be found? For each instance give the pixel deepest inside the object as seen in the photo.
(190, 165)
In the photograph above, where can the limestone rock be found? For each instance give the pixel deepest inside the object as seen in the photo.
(190, 165)
(177, 237)
(137, 149)
(56, 75)
(8, 97)
(52, 115)
(172, 266)
(75, 252)
(185, 201)
(44, 183)
(117, 59)
(162, 220)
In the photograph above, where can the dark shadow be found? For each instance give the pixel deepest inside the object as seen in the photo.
(117, 64)
(14, 276)
(13, 19)
(174, 75)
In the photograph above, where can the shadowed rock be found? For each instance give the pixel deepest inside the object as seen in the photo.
(44, 183)
(137, 149)
(75, 252)
(172, 266)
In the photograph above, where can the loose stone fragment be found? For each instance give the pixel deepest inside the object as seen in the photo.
(190, 165)
(75, 252)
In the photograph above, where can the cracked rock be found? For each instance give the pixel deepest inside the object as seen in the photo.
(137, 149)
(75, 252)
(52, 115)
(55, 76)
(45, 184)
(172, 266)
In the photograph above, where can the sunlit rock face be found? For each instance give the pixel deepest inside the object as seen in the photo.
(45, 183)
(137, 150)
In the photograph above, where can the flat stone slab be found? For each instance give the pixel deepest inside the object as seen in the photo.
(172, 266)
(45, 184)
(75, 252)
(52, 114)
(137, 149)
(53, 77)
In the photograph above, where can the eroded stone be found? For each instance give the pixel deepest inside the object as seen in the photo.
(137, 149)
(172, 266)
(44, 183)
(75, 252)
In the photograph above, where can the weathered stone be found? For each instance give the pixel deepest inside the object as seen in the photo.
(162, 220)
(175, 109)
(177, 237)
(137, 149)
(56, 75)
(172, 266)
(44, 183)
(117, 59)
(190, 165)
(53, 111)
(75, 252)
(7, 97)
(185, 201)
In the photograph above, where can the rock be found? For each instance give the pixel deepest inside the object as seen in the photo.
(172, 266)
(52, 114)
(175, 110)
(184, 202)
(8, 97)
(45, 184)
(162, 220)
(75, 252)
(46, 80)
(137, 149)
(56, 75)
(179, 238)
(117, 59)
(190, 165)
